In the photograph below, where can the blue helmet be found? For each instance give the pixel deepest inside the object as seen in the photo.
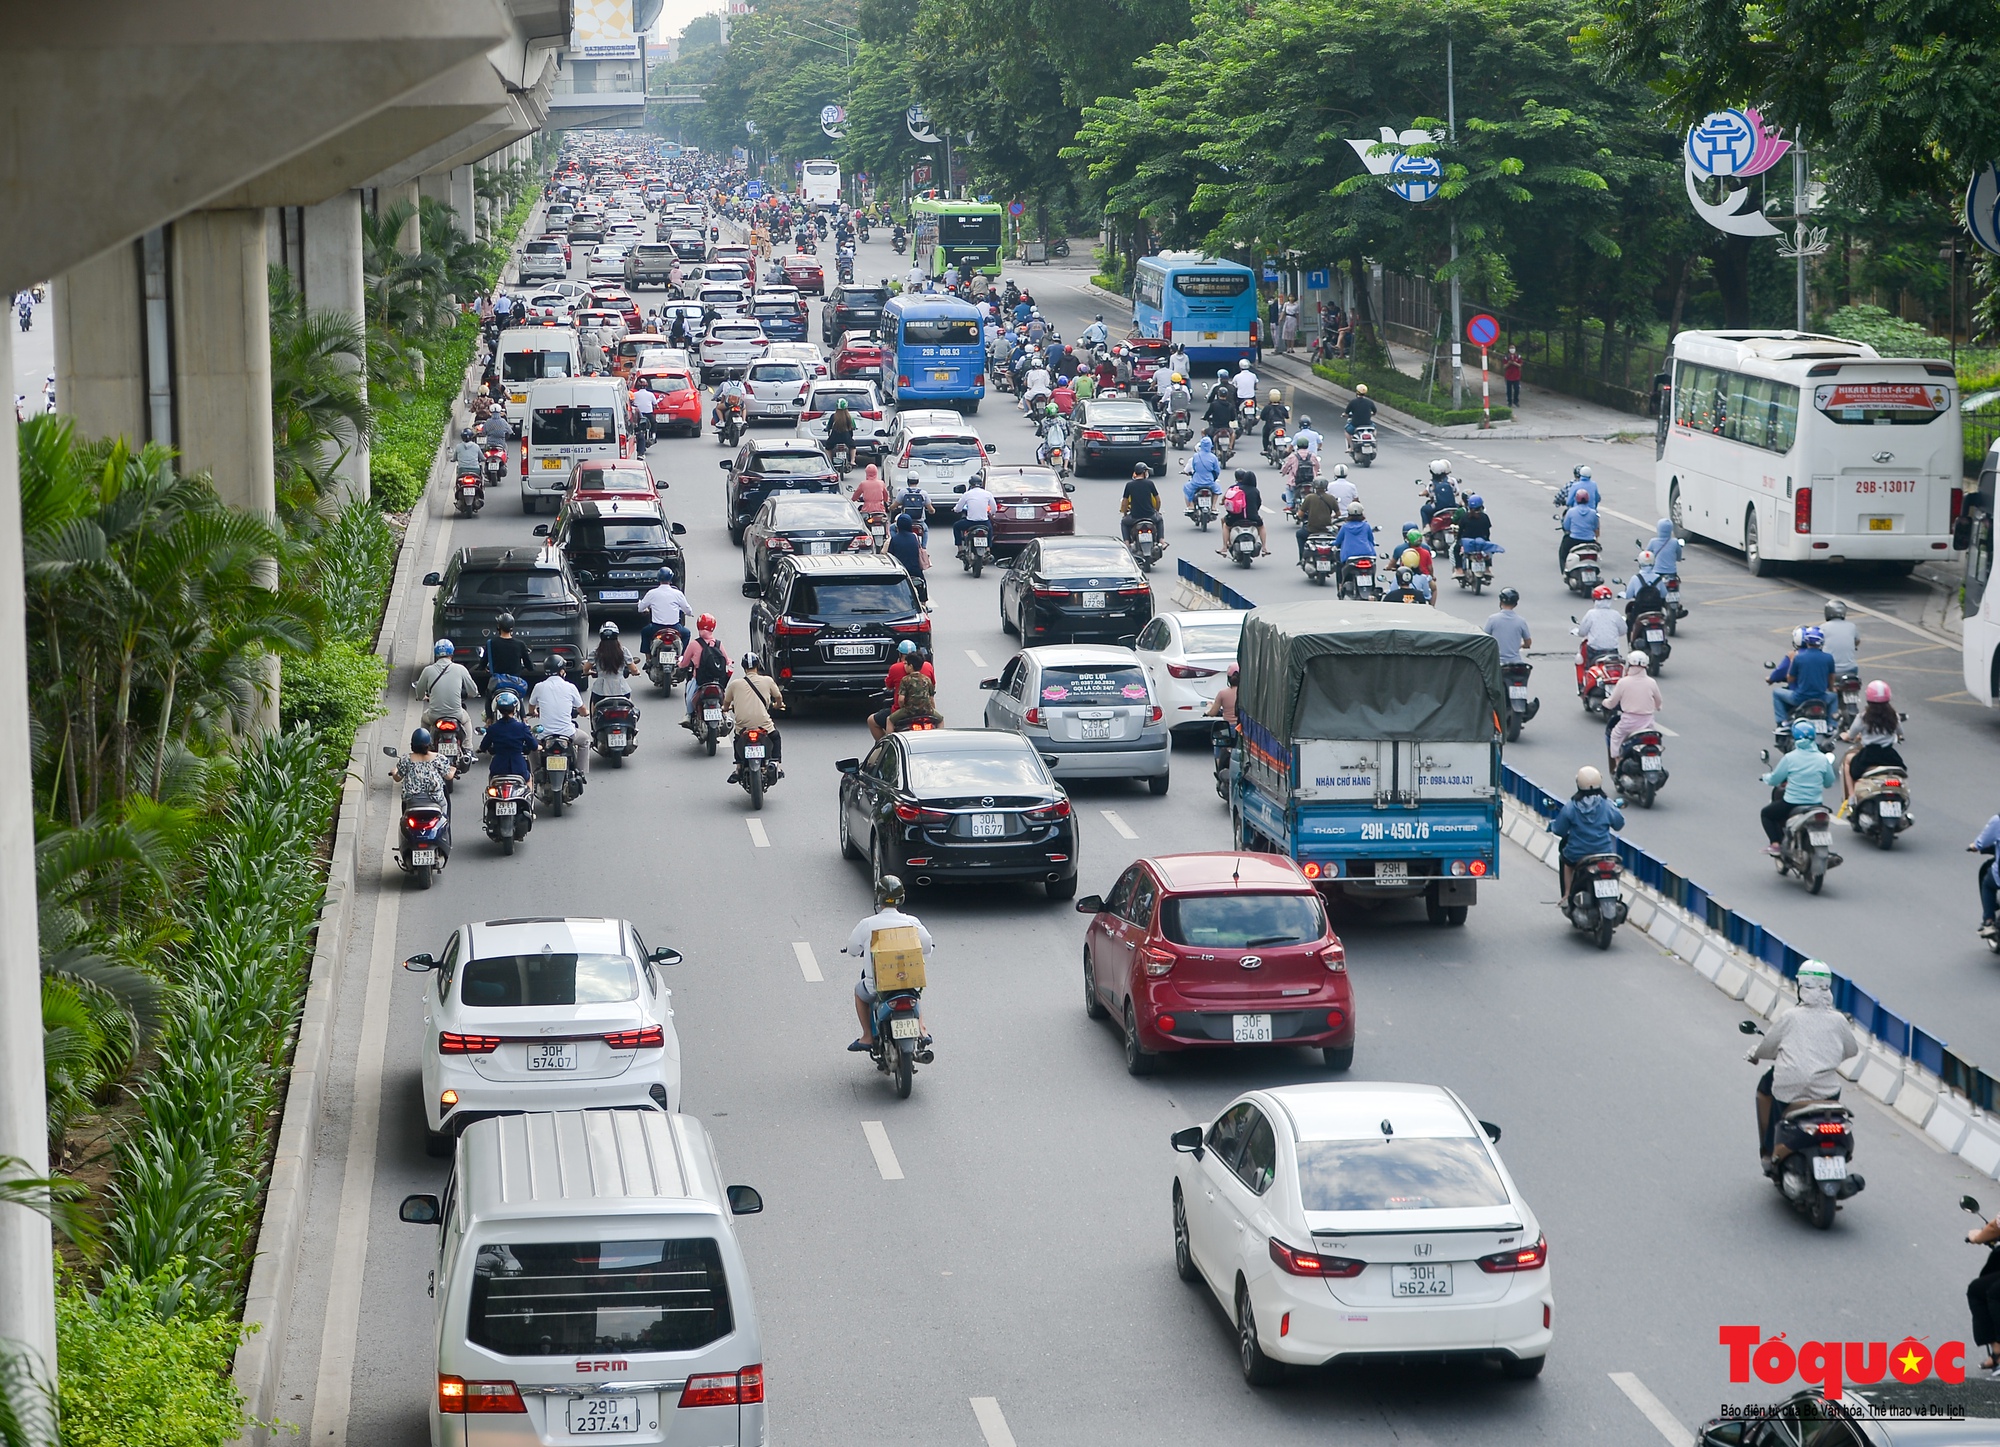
(442, 648)
(665, 575)
(1810, 637)
(506, 701)
(420, 741)
(1804, 735)
(1474, 500)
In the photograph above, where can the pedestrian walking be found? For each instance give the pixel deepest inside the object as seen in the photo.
(1289, 327)
(1510, 369)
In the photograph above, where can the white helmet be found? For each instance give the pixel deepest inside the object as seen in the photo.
(1638, 660)
(1440, 468)
(1589, 778)
(1340, 469)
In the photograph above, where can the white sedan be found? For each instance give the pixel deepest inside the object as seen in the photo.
(1187, 657)
(607, 260)
(545, 1014)
(1341, 1220)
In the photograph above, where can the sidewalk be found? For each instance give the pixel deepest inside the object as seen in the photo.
(1541, 414)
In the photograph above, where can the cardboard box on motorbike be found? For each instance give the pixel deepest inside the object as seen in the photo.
(898, 957)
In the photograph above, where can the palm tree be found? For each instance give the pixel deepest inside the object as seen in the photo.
(406, 291)
(319, 405)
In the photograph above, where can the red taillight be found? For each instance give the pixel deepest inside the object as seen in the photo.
(724, 1389)
(1802, 510)
(902, 381)
(1188, 670)
(1158, 434)
(450, 1044)
(786, 628)
(420, 821)
(911, 814)
(1606, 870)
(1892, 783)
(1157, 961)
(1831, 1128)
(875, 416)
(1062, 505)
(1091, 434)
(1334, 956)
(1158, 714)
(1534, 1258)
(650, 1038)
(1049, 813)
(1032, 718)
(1957, 504)
(1253, 333)
(1308, 1263)
(810, 416)
(1166, 331)
(1164, 1024)
(1143, 588)
(904, 1004)
(457, 1396)
(1051, 592)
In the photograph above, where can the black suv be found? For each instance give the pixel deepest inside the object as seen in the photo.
(479, 584)
(768, 465)
(851, 309)
(829, 626)
(616, 548)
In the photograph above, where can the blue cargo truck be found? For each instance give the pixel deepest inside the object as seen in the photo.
(1369, 750)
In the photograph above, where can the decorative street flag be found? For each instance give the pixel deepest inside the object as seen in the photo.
(1732, 144)
(1414, 178)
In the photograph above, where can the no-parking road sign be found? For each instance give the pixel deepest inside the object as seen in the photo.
(1482, 330)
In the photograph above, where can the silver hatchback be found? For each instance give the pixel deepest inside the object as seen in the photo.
(1088, 707)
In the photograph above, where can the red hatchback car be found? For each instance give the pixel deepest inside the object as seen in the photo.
(1191, 951)
(858, 355)
(805, 273)
(1031, 502)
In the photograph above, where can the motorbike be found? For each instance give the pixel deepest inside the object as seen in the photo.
(1274, 450)
(1222, 744)
(1847, 698)
(614, 728)
(509, 812)
(1649, 636)
(1475, 569)
(1180, 428)
(468, 493)
(1319, 559)
(1520, 708)
(843, 457)
(1059, 248)
(493, 462)
(1809, 710)
(1670, 585)
(662, 661)
(1582, 570)
(1241, 543)
(1224, 439)
(1880, 808)
(754, 771)
(878, 530)
(556, 783)
(1805, 848)
(976, 551)
(1811, 1154)
(898, 240)
(844, 269)
(729, 421)
(423, 844)
(712, 724)
(1641, 770)
(1202, 512)
(1361, 447)
(450, 745)
(1360, 580)
(1600, 670)
(1593, 903)
(1146, 545)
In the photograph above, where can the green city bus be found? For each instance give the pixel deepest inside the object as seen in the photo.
(944, 233)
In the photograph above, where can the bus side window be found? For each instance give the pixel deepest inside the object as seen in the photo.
(1978, 563)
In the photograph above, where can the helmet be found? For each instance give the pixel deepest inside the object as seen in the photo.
(1179, 378)
(1276, 394)
(1340, 469)
(751, 661)
(1804, 735)
(1100, 316)
(1637, 659)
(906, 647)
(1798, 638)
(442, 648)
(1835, 609)
(705, 623)
(505, 702)
(1223, 375)
(1475, 501)
(1811, 637)
(665, 575)
(1440, 468)
(1510, 597)
(1813, 974)
(1141, 471)
(1354, 510)
(609, 630)
(505, 623)
(1235, 671)
(465, 434)
(1588, 777)
(1877, 691)
(1602, 590)
(1361, 389)
(841, 405)
(1410, 532)
(889, 891)
(1305, 421)
(1411, 558)
(1581, 472)
(553, 666)
(420, 741)
(1051, 409)
(1645, 558)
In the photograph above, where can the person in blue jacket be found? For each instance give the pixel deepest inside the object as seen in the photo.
(510, 741)
(1204, 470)
(1356, 538)
(1665, 548)
(1806, 673)
(1579, 488)
(1585, 823)
(1580, 525)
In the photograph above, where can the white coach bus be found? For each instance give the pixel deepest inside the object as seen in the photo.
(819, 183)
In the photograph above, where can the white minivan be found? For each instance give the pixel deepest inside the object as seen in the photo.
(570, 422)
(535, 354)
(589, 1284)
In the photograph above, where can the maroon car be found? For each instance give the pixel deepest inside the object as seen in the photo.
(1147, 353)
(804, 272)
(1032, 502)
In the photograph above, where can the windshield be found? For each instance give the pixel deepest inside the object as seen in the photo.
(788, 464)
(940, 331)
(814, 510)
(541, 584)
(514, 981)
(778, 372)
(1242, 921)
(977, 230)
(852, 600)
(944, 449)
(549, 1299)
(1122, 412)
(571, 425)
(586, 537)
(938, 775)
(1103, 561)
(1206, 637)
(533, 366)
(1398, 1173)
(1090, 686)
(774, 309)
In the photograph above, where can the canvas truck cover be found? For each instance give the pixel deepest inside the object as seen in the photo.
(1345, 670)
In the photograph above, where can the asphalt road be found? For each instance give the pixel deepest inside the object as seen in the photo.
(1024, 1254)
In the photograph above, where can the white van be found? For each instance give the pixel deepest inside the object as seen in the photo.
(570, 422)
(535, 354)
(589, 1284)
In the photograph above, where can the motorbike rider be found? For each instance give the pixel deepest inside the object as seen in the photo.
(1245, 382)
(1339, 486)
(1316, 512)
(1634, 700)
(644, 401)
(610, 665)
(1221, 408)
(1509, 629)
(495, 430)
(423, 776)
(1601, 630)
(1360, 409)
(1443, 492)
(840, 429)
(974, 506)
(908, 549)
(1803, 675)
(916, 701)
(1878, 730)
(1797, 780)
(704, 661)
(466, 457)
(752, 698)
(1585, 824)
(1988, 842)
(1840, 638)
(1204, 471)
(1471, 521)
(1665, 548)
(1580, 525)
(1413, 542)
(1645, 594)
(1806, 1046)
(888, 896)
(447, 688)
(556, 706)
(871, 494)
(1035, 386)
(665, 608)
(1096, 334)
(1274, 415)
(507, 739)
(908, 660)
(1412, 578)
(1356, 538)
(1141, 499)
(1055, 433)
(1223, 705)
(506, 657)
(1579, 488)
(1308, 441)
(729, 393)
(1245, 504)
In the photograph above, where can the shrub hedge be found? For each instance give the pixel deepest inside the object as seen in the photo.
(138, 1373)
(1403, 392)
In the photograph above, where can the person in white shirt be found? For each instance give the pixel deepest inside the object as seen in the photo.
(915, 280)
(1340, 487)
(1246, 381)
(643, 402)
(1602, 629)
(1307, 439)
(555, 705)
(1177, 362)
(665, 608)
(975, 505)
(890, 894)
(1035, 387)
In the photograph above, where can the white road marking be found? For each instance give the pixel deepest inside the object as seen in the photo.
(757, 835)
(1665, 730)
(1111, 818)
(977, 661)
(1654, 1409)
(808, 966)
(992, 1425)
(885, 1154)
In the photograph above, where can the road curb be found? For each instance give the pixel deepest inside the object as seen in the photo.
(1956, 1125)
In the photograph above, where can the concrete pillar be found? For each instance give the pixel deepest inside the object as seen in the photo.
(334, 282)
(436, 185)
(222, 367)
(465, 201)
(411, 241)
(100, 346)
(27, 1281)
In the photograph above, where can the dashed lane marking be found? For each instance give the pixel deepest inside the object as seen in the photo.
(992, 1424)
(808, 965)
(1111, 818)
(884, 1153)
(977, 661)
(757, 835)
(1654, 1410)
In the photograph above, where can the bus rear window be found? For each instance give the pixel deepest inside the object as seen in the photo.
(940, 332)
(1212, 283)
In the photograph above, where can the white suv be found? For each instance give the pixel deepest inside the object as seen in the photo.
(543, 261)
(731, 345)
(545, 1014)
(825, 394)
(775, 390)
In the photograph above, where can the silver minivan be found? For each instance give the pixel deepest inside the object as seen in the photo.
(1088, 708)
(589, 1284)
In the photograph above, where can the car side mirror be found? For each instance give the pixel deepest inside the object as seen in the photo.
(744, 1201)
(541, 530)
(1052, 760)
(959, 488)
(1069, 487)
(433, 580)
(419, 1210)
(752, 589)
(848, 766)
(726, 465)
(679, 530)
(1492, 1131)
(1090, 904)
(664, 956)
(986, 683)
(1188, 1140)
(420, 964)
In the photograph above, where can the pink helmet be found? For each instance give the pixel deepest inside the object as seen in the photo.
(1876, 692)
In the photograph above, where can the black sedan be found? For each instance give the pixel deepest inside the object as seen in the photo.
(809, 524)
(1115, 432)
(1075, 590)
(958, 804)
(769, 465)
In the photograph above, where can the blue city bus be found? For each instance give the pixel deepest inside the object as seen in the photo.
(933, 352)
(1208, 306)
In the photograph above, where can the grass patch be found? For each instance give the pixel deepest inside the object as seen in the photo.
(1405, 393)
(409, 428)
